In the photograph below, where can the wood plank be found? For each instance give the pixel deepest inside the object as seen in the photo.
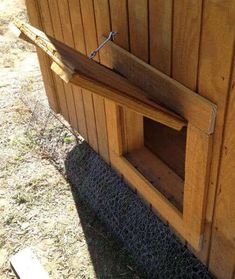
(75, 7)
(197, 166)
(216, 55)
(76, 26)
(114, 124)
(222, 256)
(185, 56)
(27, 266)
(85, 104)
(102, 11)
(191, 224)
(85, 75)
(90, 35)
(149, 110)
(68, 39)
(138, 28)
(120, 24)
(159, 175)
(50, 26)
(186, 39)
(196, 109)
(47, 75)
(103, 27)
(160, 34)
(165, 142)
(148, 191)
(216, 52)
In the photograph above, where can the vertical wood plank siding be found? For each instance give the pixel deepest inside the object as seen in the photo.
(215, 61)
(189, 40)
(48, 76)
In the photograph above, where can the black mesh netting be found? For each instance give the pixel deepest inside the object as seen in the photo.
(151, 242)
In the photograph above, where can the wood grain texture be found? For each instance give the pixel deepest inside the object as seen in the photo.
(103, 27)
(138, 28)
(52, 26)
(83, 72)
(197, 166)
(148, 191)
(68, 39)
(90, 36)
(47, 75)
(222, 256)
(216, 52)
(159, 175)
(119, 22)
(26, 265)
(199, 111)
(186, 39)
(160, 34)
(87, 96)
(78, 43)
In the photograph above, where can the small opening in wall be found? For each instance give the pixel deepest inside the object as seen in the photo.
(168, 144)
(161, 160)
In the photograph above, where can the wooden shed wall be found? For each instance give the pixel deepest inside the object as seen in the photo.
(189, 40)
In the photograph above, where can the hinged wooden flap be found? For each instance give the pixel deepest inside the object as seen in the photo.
(77, 69)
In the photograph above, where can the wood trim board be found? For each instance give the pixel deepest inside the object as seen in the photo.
(164, 89)
(189, 224)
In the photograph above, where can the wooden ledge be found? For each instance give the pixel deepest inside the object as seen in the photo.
(76, 68)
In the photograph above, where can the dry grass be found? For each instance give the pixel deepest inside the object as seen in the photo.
(36, 204)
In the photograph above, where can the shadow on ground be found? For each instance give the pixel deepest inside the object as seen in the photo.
(150, 243)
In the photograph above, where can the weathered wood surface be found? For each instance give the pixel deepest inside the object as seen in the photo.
(77, 69)
(48, 77)
(27, 266)
(166, 90)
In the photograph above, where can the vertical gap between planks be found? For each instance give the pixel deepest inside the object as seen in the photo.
(58, 81)
(73, 120)
(107, 156)
(172, 37)
(91, 94)
(148, 23)
(232, 70)
(82, 122)
(104, 151)
(45, 58)
(73, 87)
(82, 92)
(90, 140)
(217, 43)
(199, 47)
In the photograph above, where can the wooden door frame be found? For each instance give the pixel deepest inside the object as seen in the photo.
(190, 223)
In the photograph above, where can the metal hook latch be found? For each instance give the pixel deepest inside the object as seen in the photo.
(110, 37)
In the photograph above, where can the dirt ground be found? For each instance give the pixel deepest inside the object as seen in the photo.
(36, 204)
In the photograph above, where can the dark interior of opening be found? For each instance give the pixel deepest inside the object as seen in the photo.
(162, 160)
(168, 144)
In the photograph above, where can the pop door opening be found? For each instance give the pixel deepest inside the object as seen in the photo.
(161, 159)
(127, 150)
